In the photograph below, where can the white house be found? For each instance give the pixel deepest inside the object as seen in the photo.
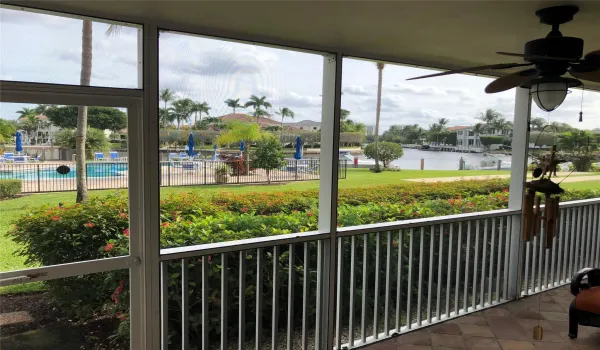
(43, 135)
(466, 139)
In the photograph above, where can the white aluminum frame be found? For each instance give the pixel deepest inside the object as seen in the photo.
(21, 92)
(145, 254)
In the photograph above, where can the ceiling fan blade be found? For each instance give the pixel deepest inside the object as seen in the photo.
(593, 56)
(593, 75)
(474, 69)
(510, 81)
(537, 58)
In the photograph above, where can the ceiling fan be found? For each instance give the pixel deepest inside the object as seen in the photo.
(551, 57)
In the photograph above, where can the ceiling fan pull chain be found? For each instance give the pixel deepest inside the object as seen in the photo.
(581, 107)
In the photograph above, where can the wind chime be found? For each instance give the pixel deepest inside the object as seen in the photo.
(533, 216)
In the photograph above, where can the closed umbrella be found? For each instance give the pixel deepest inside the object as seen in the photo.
(242, 146)
(298, 153)
(19, 142)
(190, 150)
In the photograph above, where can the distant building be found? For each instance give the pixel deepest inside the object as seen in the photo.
(43, 135)
(307, 125)
(466, 138)
(370, 130)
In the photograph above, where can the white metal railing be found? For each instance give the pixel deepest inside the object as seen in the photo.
(575, 246)
(410, 274)
(392, 278)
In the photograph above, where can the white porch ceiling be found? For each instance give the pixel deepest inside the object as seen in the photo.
(448, 34)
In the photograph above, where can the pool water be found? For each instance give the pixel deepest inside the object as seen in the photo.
(93, 170)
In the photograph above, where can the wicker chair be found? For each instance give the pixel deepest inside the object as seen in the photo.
(585, 309)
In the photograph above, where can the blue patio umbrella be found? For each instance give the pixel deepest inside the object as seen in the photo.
(298, 154)
(19, 142)
(242, 146)
(190, 150)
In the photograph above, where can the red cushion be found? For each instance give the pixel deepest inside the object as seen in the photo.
(589, 300)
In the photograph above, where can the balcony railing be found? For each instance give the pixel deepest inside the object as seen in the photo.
(391, 278)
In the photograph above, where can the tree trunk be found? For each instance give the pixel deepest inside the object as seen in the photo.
(268, 176)
(378, 112)
(86, 74)
(233, 110)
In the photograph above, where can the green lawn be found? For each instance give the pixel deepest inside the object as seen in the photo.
(13, 208)
(583, 185)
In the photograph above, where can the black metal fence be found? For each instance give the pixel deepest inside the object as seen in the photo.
(57, 177)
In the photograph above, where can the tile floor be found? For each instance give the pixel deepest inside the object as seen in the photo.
(505, 327)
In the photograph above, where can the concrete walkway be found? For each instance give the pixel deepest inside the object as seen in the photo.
(574, 177)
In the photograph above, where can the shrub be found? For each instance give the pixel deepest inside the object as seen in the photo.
(95, 141)
(55, 235)
(388, 151)
(9, 188)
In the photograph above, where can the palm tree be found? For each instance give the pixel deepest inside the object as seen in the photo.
(256, 103)
(233, 103)
(502, 124)
(285, 112)
(82, 111)
(42, 109)
(478, 129)
(200, 108)
(26, 112)
(443, 122)
(166, 95)
(489, 116)
(380, 67)
(166, 117)
(182, 109)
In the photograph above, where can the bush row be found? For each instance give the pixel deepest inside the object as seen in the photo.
(9, 188)
(99, 228)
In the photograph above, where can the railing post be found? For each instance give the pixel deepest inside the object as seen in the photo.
(518, 172)
(204, 165)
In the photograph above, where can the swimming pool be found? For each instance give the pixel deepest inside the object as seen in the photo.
(30, 171)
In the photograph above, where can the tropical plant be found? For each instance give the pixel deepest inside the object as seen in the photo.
(205, 123)
(166, 117)
(380, 66)
(257, 103)
(478, 129)
(285, 113)
(29, 124)
(489, 116)
(537, 124)
(103, 118)
(387, 152)
(182, 110)
(442, 122)
(403, 134)
(95, 141)
(200, 108)
(166, 95)
(8, 128)
(233, 103)
(268, 154)
(501, 124)
(26, 112)
(237, 132)
(42, 109)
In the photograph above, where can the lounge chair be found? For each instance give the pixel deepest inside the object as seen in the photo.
(9, 157)
(585, 309)
(20, 159)
(114, 156)
(99, 156)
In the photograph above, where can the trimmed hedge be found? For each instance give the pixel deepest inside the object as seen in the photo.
(10, 188)
(99, 228)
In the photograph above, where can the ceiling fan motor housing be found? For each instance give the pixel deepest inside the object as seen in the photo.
(563, 46)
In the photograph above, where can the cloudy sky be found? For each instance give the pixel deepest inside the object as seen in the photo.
(42, 48)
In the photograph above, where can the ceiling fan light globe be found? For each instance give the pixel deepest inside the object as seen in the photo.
(548, 96)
